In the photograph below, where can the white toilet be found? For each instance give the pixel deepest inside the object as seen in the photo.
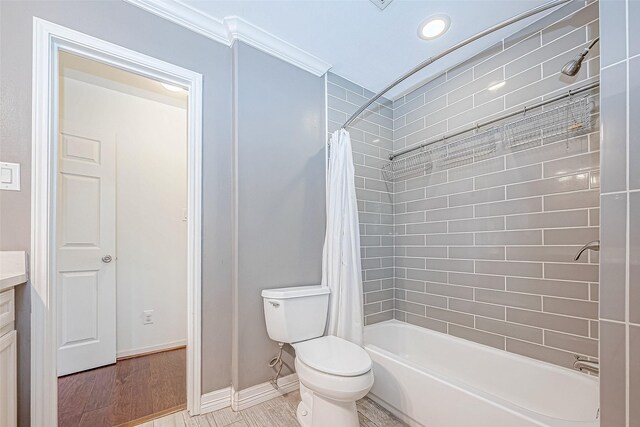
(333, 372)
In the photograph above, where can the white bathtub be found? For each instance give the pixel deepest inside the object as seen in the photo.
(435, 380)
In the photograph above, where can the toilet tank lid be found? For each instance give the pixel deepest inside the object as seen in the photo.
(295, 292)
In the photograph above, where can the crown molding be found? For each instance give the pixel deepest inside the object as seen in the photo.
(186, 16)
(243, 31)
(231, 29)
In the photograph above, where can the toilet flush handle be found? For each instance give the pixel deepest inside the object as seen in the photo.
(274, 303)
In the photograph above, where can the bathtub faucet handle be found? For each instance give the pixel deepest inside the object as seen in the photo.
(582, 364)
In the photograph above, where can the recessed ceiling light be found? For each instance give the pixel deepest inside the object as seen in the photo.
(171, 88)
(496, 85)
(433, 27)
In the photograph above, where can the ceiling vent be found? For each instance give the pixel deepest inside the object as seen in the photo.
(381, 3)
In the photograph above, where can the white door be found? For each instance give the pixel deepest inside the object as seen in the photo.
(86, 242)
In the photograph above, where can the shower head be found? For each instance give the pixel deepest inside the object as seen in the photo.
(572, 67)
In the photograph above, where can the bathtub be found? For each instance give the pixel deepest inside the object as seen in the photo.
(435, 380)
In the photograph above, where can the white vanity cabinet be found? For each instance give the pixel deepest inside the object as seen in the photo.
(12, 274)
(8, 361)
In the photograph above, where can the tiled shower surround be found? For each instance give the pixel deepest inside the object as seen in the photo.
(484, 251)
(620, 274)
(372, 141)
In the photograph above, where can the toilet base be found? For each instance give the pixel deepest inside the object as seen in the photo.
(303, 414)
(318, 411)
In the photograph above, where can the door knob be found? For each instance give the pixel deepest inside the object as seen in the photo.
(107, 258)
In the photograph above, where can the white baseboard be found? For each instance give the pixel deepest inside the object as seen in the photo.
(215, 400)
(243, 399)
(150, 349)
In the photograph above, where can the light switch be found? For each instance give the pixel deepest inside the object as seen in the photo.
(10, 176)
(7, 176)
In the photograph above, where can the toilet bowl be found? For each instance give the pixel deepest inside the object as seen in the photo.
(332, 371)
(333, 374)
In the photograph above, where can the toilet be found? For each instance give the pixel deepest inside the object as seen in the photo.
(333, 372)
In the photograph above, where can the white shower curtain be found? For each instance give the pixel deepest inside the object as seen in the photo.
(341, 267)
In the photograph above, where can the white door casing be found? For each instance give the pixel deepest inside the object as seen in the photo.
(48, 40)
(86, 244)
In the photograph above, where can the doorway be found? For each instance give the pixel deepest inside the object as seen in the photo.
(121, 243)
(78, 244)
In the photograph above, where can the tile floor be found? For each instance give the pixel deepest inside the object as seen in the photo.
(279, 412)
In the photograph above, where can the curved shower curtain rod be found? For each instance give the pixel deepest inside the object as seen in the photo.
(446, 52)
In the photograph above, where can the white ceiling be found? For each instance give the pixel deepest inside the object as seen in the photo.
(369, 46)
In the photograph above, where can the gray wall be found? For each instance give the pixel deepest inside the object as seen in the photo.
(280, 199)
(620, 233)
(135, 29)
(372, 141)
(485, 246)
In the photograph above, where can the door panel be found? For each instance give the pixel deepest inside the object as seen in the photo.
(79, 293)
(85, 234)
(81, 227)
(81, 149)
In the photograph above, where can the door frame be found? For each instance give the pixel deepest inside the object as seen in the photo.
(48, 40)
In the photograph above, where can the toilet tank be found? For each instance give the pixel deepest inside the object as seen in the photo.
(296, 314)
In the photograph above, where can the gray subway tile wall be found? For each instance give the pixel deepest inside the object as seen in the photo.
(613, 374)
(484, 251)
(371, 138)
(614, 105)
(614, 242)
(634, 111)
(634, 258)
(620, 294)
(634, 375)
(613, 21)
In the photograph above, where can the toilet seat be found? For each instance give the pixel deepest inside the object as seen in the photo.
(339, 388)
(334, 356)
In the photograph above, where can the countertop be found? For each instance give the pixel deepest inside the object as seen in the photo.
(13, 269)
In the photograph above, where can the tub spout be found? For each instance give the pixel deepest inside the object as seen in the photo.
(586, 365)
(593, 246)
